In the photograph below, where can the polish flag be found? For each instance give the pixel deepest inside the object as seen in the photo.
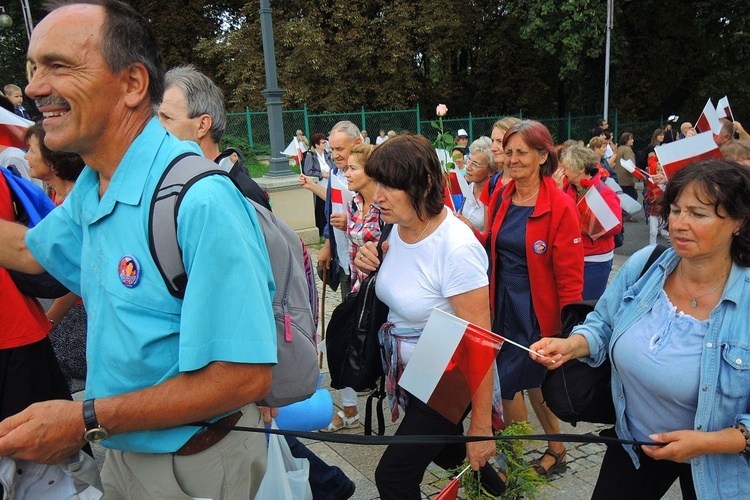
(709, 120)
(293, 150)
(597, 219)
(450, 492)
(675, 155)
(12, 129)
(638, 173)
(723, 110)
(340, 194)
(449, 363)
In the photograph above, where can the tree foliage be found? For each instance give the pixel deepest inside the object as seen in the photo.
(541, 57)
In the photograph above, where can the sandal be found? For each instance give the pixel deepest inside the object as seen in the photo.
(560, 465)
(346, 423)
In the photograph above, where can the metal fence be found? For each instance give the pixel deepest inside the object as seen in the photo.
(252, 126)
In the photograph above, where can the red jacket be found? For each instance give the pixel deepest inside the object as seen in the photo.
(553, 250)
(605, 243)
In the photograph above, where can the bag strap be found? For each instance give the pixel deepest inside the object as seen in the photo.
(385, 231)
(162, 223)
(379, 394)
(655, 254)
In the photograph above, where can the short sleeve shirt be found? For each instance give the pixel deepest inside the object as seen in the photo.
(138, 334)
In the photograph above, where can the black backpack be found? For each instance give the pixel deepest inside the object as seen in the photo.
(577, 392)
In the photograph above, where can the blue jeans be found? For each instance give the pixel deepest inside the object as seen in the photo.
(326, 482)
(595, 276)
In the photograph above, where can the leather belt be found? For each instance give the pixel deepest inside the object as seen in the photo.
(206, 439)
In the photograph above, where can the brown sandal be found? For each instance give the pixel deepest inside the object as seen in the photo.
(560, 465)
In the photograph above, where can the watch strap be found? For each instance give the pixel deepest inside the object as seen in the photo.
(89, 415)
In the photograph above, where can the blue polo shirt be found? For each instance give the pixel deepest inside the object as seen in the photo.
(138, 334)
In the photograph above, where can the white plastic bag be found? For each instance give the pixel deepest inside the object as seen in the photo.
(286, 477)
(628, 204)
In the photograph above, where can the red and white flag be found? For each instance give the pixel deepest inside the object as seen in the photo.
(709, 120)
(293, 150)
(449, 363)
(596, 216)
(723, 110)
(638, 173)
(12, 129)
(676, 155)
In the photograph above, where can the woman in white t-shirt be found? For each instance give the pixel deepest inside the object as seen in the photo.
(432, 261)
(479, 167)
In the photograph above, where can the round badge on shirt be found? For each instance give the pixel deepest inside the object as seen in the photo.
(539, 247)
(129, 270)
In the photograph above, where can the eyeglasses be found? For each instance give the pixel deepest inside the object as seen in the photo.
(475, 164)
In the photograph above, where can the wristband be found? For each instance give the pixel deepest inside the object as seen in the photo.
(746, 434)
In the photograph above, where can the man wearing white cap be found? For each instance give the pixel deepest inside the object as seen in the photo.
(462, 139)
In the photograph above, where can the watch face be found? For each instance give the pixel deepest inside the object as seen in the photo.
(96, 435)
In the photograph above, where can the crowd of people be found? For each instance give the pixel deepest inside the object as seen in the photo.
(527, 239)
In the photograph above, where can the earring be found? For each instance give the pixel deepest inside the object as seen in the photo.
(736, 233)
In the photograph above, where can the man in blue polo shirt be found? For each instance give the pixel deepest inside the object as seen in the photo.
(155, 362)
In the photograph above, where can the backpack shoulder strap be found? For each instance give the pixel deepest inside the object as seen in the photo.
(655, 254)
(162, 225)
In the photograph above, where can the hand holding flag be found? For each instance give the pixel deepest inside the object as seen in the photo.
(449, 362)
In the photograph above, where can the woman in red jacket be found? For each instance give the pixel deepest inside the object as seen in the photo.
(536, 267)
(581, 173)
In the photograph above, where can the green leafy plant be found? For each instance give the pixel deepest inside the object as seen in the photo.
(521, 480)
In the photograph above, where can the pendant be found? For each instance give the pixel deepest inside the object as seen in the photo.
(694, 303)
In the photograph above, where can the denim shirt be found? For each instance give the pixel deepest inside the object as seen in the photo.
(724, 395)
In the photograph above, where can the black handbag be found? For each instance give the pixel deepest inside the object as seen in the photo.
(352, 346)
(577, 392)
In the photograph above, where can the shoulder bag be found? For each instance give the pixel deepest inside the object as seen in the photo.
(352, 346)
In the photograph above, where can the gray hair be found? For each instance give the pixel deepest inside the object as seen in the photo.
(347, 127)
(127, 38)
(581, 159)
(202, 97)
(484, 145)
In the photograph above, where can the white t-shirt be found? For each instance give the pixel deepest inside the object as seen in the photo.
(324, 169)
(381, 139)
(416, 278)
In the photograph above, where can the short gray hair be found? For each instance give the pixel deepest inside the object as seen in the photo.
(347, 127)
(202, 97)
(484, 145)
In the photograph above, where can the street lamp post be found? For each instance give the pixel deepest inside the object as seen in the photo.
(610, 16)
(278, 165)
(6, 21)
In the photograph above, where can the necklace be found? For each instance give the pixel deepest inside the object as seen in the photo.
(423, 231)
(694, 302)
(518, 202)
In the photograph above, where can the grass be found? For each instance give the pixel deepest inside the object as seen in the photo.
(258, 169)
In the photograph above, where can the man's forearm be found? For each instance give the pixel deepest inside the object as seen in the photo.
(13, 251)
(218, 388)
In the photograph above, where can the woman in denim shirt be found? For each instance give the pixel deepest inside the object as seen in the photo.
(679, 341)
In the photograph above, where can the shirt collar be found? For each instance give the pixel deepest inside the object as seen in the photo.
(130, 177)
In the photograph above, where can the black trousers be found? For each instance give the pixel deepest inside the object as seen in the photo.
(402, 467)
(29, 374)
(619, 479)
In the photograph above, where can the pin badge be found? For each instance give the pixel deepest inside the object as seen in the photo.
(129, 271)
(539, 247)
